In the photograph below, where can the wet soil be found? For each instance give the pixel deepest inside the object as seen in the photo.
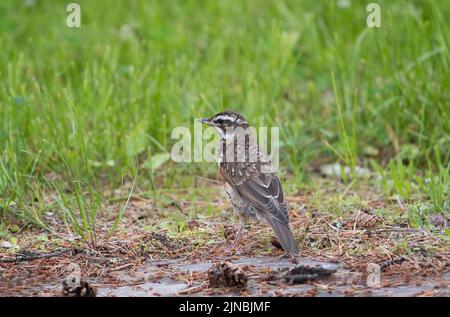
(169, 277)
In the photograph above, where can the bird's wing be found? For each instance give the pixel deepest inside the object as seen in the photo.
(263, 191)
(266, 194)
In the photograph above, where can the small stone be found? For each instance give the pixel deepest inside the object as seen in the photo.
(6, 244)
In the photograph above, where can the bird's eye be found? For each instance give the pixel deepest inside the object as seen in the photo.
(220, 121)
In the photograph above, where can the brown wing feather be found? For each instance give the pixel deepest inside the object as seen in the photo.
(265, 193)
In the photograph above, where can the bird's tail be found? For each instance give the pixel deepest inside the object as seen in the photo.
(284, 235)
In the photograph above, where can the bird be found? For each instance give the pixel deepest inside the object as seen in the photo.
(252, 185)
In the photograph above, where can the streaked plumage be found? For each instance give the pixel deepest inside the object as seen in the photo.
(253, 187)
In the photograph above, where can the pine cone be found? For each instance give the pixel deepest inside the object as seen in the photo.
(302, 274)
(229, 232)
(365, 220)
(226, 274)
(82, 290)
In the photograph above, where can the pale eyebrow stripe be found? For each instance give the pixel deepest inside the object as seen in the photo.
(224, 117)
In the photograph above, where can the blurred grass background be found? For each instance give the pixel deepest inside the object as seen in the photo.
(98, 101)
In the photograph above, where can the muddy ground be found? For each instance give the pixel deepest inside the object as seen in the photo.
(146, 258)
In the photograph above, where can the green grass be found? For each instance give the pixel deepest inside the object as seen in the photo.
(102, 100)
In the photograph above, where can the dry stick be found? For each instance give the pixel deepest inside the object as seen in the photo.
(405, 230)
(396, 260)
(29, 257)
(356, 220)
(194, 289)
(122, 267)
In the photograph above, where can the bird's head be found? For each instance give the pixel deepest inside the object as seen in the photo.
(226, 122)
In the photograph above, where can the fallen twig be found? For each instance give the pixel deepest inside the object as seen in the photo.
(194, 289)
(387, 263)
(28, 256)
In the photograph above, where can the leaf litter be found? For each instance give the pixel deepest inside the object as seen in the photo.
(142, 259)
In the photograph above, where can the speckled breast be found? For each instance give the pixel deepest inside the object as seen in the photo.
(242, 207)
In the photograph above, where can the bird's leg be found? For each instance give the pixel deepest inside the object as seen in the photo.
(238, 235)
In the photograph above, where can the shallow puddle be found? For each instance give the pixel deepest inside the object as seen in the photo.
(161, 278)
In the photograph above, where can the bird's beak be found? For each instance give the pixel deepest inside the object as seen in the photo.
(205, 121)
